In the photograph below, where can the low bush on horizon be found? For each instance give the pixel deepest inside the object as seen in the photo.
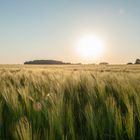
(69, 105)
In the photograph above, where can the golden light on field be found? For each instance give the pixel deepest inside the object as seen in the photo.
(90, 47)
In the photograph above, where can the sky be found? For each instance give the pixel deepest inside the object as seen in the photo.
(50, 29)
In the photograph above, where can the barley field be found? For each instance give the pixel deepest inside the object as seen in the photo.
(70, 102)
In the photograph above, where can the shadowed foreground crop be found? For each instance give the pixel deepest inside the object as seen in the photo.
(69, 104)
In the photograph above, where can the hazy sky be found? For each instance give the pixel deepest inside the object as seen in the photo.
(49, 29)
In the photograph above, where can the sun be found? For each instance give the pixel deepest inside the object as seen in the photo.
(90, 47)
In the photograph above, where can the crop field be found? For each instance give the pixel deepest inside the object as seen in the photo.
(70, 102)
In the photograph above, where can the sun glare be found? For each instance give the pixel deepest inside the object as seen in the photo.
(90, 47)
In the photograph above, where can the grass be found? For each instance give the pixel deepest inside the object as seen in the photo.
(69, 102)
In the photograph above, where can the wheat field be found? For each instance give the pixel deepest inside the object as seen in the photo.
(69, 102)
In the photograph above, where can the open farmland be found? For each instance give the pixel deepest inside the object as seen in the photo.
(69, 102)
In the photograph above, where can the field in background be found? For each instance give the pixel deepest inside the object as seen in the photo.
(92, 68)
(69, 102)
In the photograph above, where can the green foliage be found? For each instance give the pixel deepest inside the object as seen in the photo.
(70, 103)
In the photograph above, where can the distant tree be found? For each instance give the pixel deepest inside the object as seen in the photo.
(45, 62)
(137, 61)
(103, 63)
(129, 63)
